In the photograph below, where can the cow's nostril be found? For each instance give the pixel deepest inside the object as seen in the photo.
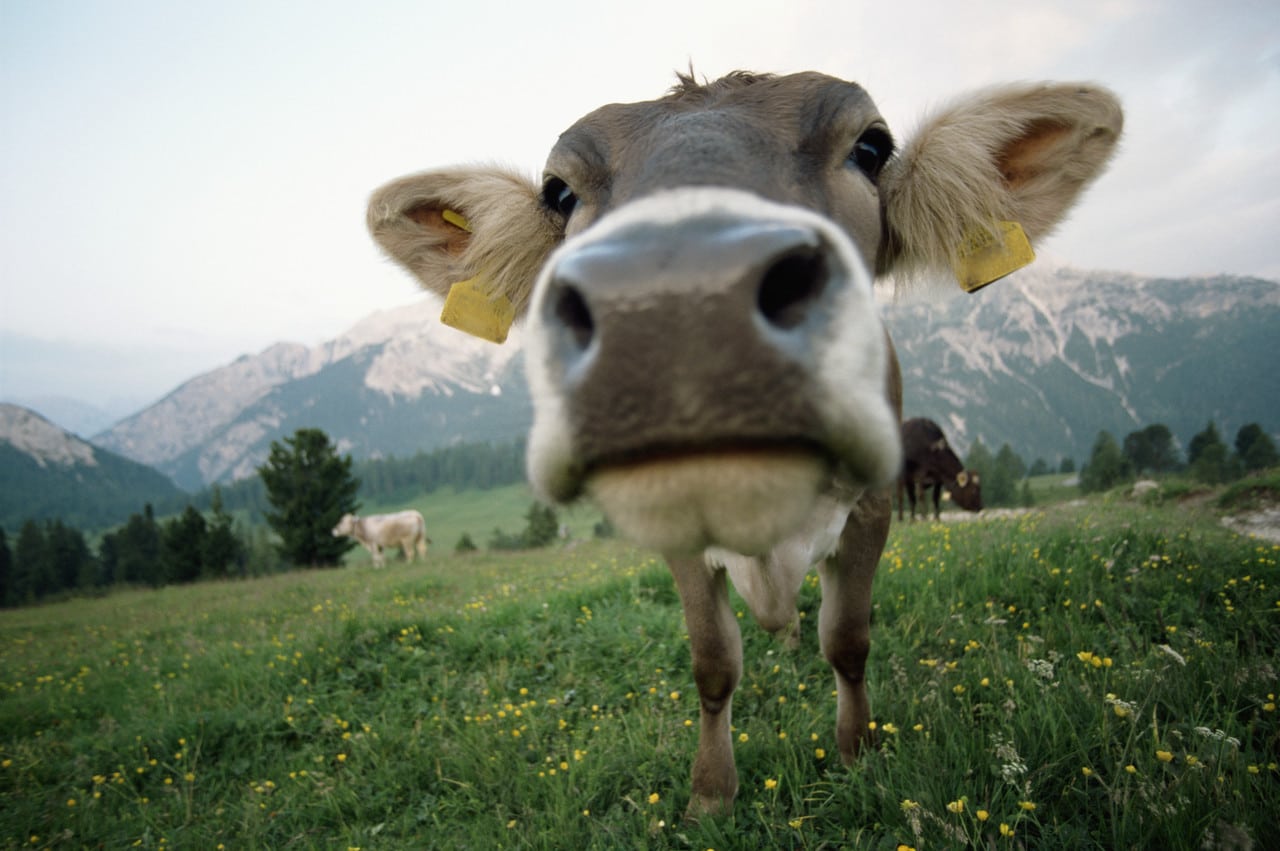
(572, 311)
(791, 285)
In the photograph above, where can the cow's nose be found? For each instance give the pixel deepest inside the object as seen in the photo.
(703, 332)
(744, 285)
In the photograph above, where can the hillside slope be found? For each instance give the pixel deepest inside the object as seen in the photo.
(49, 473)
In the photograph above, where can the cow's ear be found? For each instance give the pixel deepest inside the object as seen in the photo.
(483, 224)
(1012, 154)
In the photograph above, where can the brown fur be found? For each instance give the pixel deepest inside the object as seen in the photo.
(1019, 153)
(511, 232)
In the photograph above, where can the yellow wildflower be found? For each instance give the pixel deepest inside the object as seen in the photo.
(654, 798)
(1164, 756)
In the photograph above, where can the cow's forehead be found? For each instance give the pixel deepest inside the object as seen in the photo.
(807, 99)
(708, 129)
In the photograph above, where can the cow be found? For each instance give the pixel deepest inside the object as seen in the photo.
(927, 461)
(404, 529)
(701, 337)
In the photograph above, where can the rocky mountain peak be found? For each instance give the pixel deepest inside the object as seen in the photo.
(46, 443)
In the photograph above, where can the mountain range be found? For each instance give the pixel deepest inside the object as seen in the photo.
(1051, 356)
(396, 383)
(1042, 360)
(49, 473)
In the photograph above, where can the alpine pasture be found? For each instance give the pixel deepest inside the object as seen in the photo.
(1095, 675)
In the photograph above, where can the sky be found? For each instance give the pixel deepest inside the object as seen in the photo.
(184, 183)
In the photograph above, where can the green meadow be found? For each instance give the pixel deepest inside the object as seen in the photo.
(450, 514)
(1100, 675)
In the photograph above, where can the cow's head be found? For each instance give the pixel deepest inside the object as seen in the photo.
(966, 490)
(696, 276)
(346, 526)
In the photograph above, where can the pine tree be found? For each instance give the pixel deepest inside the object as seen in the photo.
(1151, 449)
(541, 525)
(1210, 459)
(1202, 441)
(182, 542)
(1000, 481)
(1107, 465)
(224, 553)
(133, 554)
(310, 487)
(71, 565)
(1256, 449)
(6, 568)
(32, 576)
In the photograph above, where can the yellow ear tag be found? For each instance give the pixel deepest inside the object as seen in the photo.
(468, 308)
(456, 219)
(984, 257)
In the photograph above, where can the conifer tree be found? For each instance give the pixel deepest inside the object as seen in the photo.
(310, 487)
(1107, 465)
(1255, 447)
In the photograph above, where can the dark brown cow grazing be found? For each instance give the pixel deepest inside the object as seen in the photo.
(927, 460)
(703, 345)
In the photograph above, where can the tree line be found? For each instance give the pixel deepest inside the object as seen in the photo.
(288, 509)
(1152, 450)
(50, 558)
(308, 488)
(466, 466)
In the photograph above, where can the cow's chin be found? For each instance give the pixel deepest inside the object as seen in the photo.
(742, 501)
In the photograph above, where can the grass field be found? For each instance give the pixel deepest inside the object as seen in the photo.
(1099, 676)
(450, 514)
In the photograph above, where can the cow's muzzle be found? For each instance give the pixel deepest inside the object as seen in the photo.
(667, 339)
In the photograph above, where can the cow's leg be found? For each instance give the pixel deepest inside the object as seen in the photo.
(844, 621)
(376, 551)
(911, 495)
(937, 500)
(716, 645)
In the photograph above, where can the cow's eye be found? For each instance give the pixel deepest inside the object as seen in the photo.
(557, 195)
(871, 152)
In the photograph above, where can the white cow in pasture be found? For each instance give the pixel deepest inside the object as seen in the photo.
(404, 529)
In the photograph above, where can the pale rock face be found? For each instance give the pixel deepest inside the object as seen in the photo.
(1047, 319)
(42, 440)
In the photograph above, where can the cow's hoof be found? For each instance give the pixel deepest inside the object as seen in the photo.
(707, 806)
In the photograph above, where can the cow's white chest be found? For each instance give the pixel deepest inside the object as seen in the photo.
(770, 584)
